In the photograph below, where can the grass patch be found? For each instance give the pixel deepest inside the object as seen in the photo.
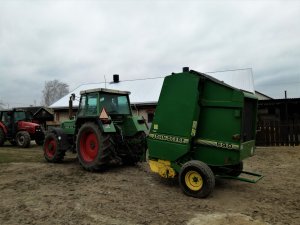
(9, 154)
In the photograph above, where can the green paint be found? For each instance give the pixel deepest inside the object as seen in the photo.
(217, 120)
(68, 126)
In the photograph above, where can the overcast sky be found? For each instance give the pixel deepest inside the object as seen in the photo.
(82, 41)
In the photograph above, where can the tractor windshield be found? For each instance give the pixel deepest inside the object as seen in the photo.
(114, 104)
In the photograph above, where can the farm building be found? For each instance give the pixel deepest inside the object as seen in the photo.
(278, 122)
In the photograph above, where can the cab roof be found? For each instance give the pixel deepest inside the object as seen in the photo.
(105, 90)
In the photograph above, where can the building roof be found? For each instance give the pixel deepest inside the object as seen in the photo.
(143, 91)
(147, 91)
(262, 96)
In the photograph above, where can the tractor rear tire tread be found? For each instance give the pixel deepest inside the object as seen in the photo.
(206, 174)
(105, 149)
(138, 150)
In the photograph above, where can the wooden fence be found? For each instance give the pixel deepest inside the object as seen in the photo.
(277, 133)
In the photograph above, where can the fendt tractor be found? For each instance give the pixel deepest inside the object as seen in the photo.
(202, 129)
(17, 128)
(104, 132)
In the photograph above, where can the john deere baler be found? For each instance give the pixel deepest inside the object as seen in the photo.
(202, 128)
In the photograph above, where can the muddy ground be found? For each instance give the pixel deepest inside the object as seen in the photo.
(35, 192)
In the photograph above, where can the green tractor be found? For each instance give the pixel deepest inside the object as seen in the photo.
(104, 132)
(202, 129)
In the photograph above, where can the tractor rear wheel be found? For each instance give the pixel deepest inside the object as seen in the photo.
(52, 152)
(137, 151)
(23, 139)
(2, 137)
(196, 179)
(94, 149)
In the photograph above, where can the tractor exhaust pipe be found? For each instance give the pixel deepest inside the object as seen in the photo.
(72, 98)
(185, 69)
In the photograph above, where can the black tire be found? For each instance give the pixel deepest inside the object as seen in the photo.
(137, 151)
(2, 137)
(23, 139)
(196, 179)
(52, 152)
(235, 170)
(94, 149)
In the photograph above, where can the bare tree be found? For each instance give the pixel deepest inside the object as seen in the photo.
(53, 91)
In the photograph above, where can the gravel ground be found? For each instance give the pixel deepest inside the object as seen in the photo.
(36, 192)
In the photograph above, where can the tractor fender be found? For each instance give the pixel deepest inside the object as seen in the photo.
(139, 123)
(62, 138)
(2, 126)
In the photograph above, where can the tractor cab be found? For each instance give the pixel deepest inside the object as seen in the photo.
(11, 119)
(103, 103)
(17, 128)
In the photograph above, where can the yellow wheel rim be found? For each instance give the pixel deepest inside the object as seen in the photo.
(193, 180)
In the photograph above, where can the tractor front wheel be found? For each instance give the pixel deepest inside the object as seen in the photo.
(23, 139)
(196, 179)
(52, 152)
(93, 147)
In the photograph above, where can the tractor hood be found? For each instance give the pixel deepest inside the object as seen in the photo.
(28, 126)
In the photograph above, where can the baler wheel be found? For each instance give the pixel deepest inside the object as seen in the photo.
(196, 179)
(2, 137)
(23, 139)
(94, 149)
(52, 153)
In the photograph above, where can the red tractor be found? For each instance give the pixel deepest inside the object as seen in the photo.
(17, 128)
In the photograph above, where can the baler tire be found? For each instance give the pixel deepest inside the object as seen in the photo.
(23, 139)
(236, 169)
(2, 137)
(201, 184)
(94, 149)
(52, 152)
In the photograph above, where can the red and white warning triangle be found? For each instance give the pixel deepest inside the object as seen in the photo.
(103, 114)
